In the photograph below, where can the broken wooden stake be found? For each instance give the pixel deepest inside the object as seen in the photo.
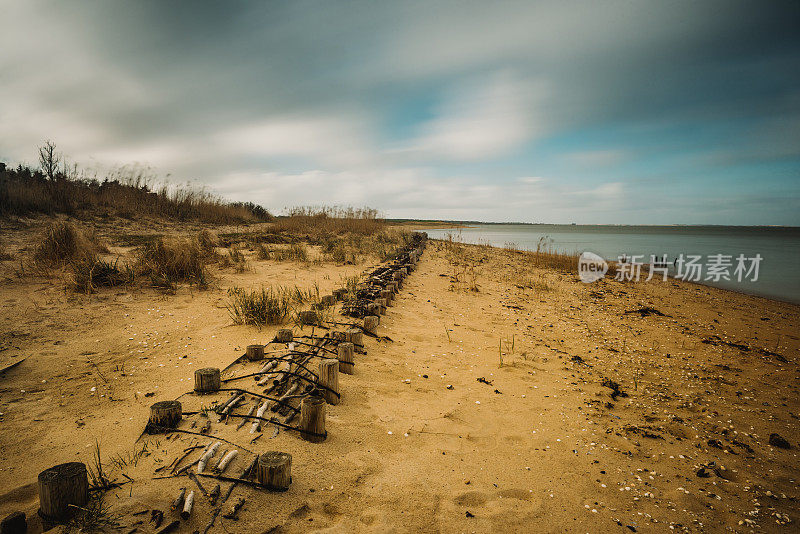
(308, 317)
(274, 470)
(234, 512)
(260, 413)
(61, 486)
(226, 460)
(187, 507)
(355, 336)
(207, 380)
(312, 419)
(371, 323)
(345, 355)
(164, 415)
(329, 379)
(255, 352)
(207, 455)
(178, 502)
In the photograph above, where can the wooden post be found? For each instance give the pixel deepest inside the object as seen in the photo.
(312, 418)
(392, 286)
(371, 308)
(328, 300)
(274, 470)
(329, 377)
(381, 303)
(371, 323)
(386, 294)
(355, 336)
(339, 294)
(255, 352)
(284, 335)
(163, 415)
(206, 380)
(346, 358)
(308, 317)
(61, 486)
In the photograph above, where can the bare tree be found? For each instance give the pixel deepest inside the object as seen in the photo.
(49, 159)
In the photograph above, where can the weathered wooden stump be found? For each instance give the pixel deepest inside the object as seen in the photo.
(328, 300)
(346, 351)
(355, 336)
(312, 418)
(274, 470)
(371, 308)
(387, 295)
(309, 317)
(329, 379)
(392, 286)
(61, 486)
(340, 293)
(207, 380)
(255, 352)
(164, 415)
(371, 323)
(14, 523)
(284, 335)
(381, 303)
(397, 277)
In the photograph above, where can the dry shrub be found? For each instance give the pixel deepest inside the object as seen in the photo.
(209, 241)
(63, 243)
(321, 221)
(262, 252)
(169, 261)
(235, 259)
(295, 252)
(264, 306)
(88, 274)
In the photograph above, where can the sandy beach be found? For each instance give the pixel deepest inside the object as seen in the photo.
(503, 397)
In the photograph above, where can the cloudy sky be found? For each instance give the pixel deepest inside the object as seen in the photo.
(592, 112)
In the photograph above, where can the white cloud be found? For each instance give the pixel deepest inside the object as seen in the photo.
(483, 120)
(330, 140)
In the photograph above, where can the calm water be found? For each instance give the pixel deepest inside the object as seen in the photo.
(779, 270)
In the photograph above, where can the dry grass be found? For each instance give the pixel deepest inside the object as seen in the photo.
(169, 261)
(63, 243)
(352, 249)
(208, 240)
(259, 307)
(295, 252)
(267, 305)
(88, 274)
(236, 259)
(326, 221)
(263, 252)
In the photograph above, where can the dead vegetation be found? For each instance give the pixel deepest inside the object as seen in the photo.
(170, 260)
(268, 305)
(130, 191)
(327, 221)
(63, 242)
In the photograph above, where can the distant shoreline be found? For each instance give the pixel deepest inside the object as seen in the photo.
(428, 223)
